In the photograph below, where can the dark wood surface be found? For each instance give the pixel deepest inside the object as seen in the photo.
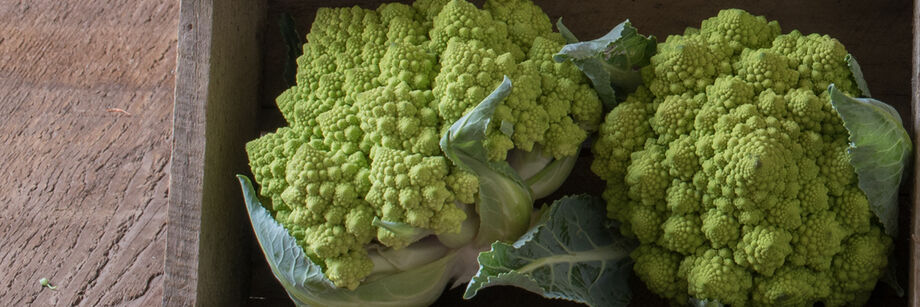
(85, 115)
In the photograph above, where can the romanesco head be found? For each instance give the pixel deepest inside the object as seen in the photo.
(732, 159)
(374, 92)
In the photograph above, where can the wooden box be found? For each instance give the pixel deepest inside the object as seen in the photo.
(229, 71)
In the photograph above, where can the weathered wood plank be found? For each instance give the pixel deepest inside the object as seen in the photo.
(913, 288)
(216, 100)
(187, 165)
(84, 189)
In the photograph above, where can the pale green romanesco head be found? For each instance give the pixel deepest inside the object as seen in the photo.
(376, 89)
(731, 162)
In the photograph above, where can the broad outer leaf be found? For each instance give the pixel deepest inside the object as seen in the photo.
(571, 254)
(306, 284)
(505, 202)
(610, 61)
(879, 151)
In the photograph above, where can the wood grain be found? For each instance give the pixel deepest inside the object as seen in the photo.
(84, 186)
(187, 165)
(216, 99)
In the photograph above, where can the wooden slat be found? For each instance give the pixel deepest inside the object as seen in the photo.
(216, 98)
(914, 276)
(187, 164)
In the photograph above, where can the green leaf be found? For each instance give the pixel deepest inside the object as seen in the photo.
(858, 75)
(306, 284)
(294, 44)
(566, 33)
(572, 254)
(505, 202)
(880, 150)
(612, 61)
(469, 228)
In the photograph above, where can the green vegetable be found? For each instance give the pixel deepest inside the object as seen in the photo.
(417, 272)
(612, 61)
(571, 254)
(748, 174)
(504, 199)
(359, 164)
(45, 283)
(416, 279)
(880, 149)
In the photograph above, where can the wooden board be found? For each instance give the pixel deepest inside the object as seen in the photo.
(84, 188)
(216, 94)
(914, 272)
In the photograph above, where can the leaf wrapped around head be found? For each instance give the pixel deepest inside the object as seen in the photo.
(880, 150)
(306, 284)
(504, 199)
